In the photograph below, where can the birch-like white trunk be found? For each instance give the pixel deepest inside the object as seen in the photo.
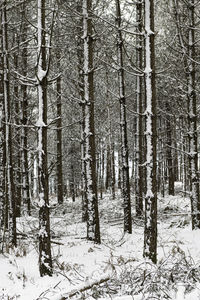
(150, 231)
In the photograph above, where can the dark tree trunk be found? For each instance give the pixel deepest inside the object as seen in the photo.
(59, 135)
(192, 119)
(25, 168)
(123, 127)
(140, 133)
(17, 138)
(8, 130)
(3, 216)
(150, 230)
(93, 229)
(45, 259)
(169, 154)
(80, 57)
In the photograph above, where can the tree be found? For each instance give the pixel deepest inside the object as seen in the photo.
(123, 126)
(59, 132)
(25, 168)
(150, 230)
(45, 259)
(139, 139)
(9, 183)
(192, 118)
(93, 230)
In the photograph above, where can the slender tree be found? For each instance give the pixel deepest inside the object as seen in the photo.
(140, 133)
(123, 126)
(2, 137)
(150, 230)
(93, 230)
(192, 118)
(45, 259)
(59, 132)
(9, 183)
(24, 143)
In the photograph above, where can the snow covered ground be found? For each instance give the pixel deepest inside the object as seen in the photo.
(117, 265)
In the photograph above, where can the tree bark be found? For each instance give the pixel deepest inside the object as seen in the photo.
(150, 230)
(10, 189)
(140, 133)
(25, 168)
(45, 259)
(93, 229)
(123, 127)
(59, 134)
(192, 118)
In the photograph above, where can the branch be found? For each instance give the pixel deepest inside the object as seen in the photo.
(84, 288)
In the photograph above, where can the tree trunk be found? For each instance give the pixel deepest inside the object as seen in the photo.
(93, 229)
(192, 120)
(59, 134)
(139, 139)
(17, 137)
(45, 260)
(3, 215)
(169, 153)
(80, 56)
(150, 230)
(123, 127)
(25, 169)
(8, 130)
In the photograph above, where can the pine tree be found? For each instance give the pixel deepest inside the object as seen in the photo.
(150, 230)
(45, 259)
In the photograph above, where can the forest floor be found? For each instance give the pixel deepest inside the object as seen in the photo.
(115, 269)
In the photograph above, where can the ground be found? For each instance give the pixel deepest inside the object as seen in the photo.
(113, 270)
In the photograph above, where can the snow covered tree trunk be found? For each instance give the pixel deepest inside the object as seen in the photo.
(2, 137)
(123, 126)
(59, 134)
(8, 130)
(17, 143)
(93, 229)
(25, 169)
(80, 57)
(139, 138)
(45, 259)
(192, 118)
(150, 230)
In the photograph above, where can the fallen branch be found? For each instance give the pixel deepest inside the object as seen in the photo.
(84, 288)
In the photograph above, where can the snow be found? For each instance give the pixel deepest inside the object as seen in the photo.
(79, 263)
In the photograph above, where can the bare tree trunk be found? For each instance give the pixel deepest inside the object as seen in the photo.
(25, 169)
(139, 139)
(169, 155)
(192, 118)
(80, 56)
(123, 127)
(93, 228)
(59, 134)
(8, 130)
(110, 153)
(45, 260)
(17, 142)
(150, 231)
(2, 139)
